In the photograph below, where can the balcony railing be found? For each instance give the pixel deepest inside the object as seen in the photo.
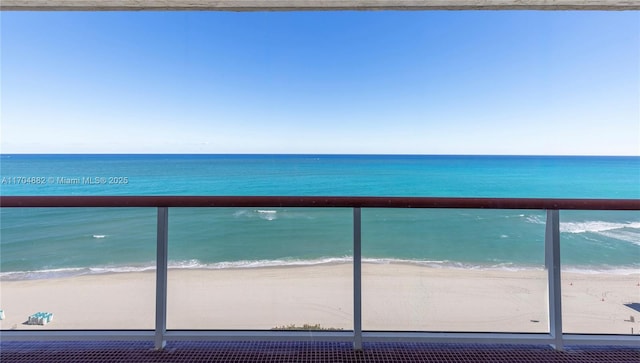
(555, 337)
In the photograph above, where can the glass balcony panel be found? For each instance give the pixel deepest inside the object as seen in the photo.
(454, 270)
(77, 268)
(600, 256)
(260, 268)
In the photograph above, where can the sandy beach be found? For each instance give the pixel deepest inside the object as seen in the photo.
(395, 297)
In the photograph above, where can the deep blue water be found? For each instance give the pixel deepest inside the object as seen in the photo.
(63, 241)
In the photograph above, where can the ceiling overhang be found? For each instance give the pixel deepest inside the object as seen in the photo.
(301, 5)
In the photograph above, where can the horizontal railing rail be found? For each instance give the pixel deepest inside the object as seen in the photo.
(555, 337)
(319, 201)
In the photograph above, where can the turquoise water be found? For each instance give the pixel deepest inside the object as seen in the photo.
(38, 243)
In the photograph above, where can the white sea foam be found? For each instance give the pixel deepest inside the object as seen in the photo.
(196, 264)
(99, 236)
(595, 226)
(48, 273)
(624, 231)
(71, 271)
(267, 214)
(535, 219)
(593, 270)
(251, 264)
(514, 216)
(240, 213)
(105, 270)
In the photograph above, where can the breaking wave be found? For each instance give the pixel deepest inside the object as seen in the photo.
(595, 226)
(250, 264)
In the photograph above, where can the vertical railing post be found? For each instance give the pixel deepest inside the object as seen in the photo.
(552, 263)
(161, 276)
(357, 279)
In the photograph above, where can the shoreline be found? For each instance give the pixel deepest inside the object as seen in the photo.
(396, 296)
(72, 272)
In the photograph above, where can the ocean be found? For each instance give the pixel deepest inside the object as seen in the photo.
(54, 242)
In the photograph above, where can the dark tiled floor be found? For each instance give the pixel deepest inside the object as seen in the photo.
(229, 352)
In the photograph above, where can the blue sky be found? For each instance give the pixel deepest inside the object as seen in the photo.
(523, 82)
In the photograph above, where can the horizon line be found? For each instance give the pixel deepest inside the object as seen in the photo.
(317, 154)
